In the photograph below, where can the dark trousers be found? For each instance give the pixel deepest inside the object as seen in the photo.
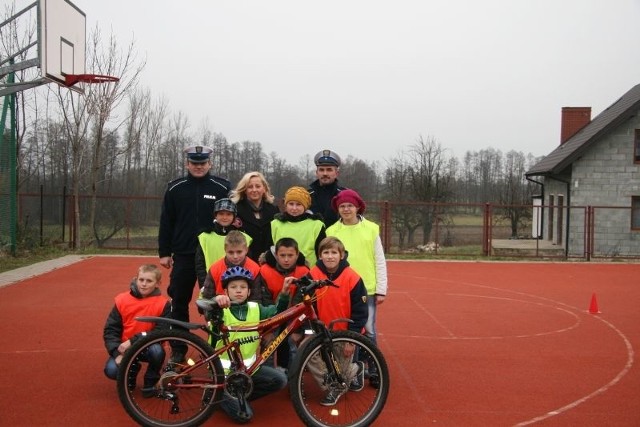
(154, 355)
(182, 281)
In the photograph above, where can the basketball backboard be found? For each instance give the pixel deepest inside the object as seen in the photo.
(62, 39)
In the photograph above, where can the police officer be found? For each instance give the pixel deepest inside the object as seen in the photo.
(326, 186)
(187, 208)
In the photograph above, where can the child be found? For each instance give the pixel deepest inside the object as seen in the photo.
(237, 284)
(121, 329)
(236, 249)
(361, 239)
(348, 301)
(284, 260)
(296, 222)
(211, 240)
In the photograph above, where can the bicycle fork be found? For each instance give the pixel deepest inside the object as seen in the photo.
(335, 379)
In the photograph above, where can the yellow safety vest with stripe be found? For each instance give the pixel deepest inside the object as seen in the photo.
(305, 232)
(212, 245)
(249, 350)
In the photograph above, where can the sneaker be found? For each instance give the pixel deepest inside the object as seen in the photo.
(331, 398)
(231, 407)
(149, 388)
(357, 383)
(148, 391)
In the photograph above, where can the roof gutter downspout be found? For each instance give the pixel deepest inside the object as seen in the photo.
(541, 184)
(566, 237)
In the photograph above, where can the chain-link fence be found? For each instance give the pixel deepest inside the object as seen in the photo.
(406, 228)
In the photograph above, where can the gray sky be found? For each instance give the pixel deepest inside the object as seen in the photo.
(368, 77)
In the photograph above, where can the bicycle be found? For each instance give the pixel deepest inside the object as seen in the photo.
(189, 389)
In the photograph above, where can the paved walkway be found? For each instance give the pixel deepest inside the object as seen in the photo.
(12, 276)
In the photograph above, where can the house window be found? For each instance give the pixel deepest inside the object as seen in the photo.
(636, 147)
(635, 213)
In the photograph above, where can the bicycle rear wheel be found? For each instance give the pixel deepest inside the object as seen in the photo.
(175, 399)
(310, 383)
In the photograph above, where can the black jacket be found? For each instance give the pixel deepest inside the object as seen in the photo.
(258, 228)
(187, 208)
(321, 196)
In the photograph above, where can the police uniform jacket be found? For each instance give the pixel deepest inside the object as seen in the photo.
(187, 208)
(321, 196)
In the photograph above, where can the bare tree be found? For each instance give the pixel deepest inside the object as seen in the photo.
(516, 192)
(107, 59)
(358, 175)
(75, 119)
(17, 34)
(430, 180)
(397, 187)
(135, 125)
(307, 168)
(153, 134)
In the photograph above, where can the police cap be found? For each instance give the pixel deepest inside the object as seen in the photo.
(327, 158)
(198, 153)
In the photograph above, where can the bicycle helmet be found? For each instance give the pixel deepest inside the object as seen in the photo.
(234, 273)
(225, 205)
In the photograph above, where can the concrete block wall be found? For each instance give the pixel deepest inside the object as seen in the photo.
(605, 175)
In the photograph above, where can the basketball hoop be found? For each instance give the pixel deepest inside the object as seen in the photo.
(71, 79)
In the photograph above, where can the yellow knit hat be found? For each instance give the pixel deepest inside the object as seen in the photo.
(298, 194)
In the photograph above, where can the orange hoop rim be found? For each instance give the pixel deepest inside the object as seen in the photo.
(71, 79)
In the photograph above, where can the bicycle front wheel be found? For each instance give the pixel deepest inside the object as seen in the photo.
(322, 399)
(155, 390)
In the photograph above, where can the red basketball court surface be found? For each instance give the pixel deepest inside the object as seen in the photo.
(467, 344)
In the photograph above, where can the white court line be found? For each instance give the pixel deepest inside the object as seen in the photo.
(452, 336)
(625, 370)
(604, 388)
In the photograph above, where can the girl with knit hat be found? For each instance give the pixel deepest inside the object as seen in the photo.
(361, 239)
(299, 223)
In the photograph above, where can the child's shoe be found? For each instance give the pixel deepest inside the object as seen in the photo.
(357, 383)
(331, 398)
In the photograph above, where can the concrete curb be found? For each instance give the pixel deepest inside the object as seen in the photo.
(13, 276)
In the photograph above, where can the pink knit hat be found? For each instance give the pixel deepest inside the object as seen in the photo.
(348, 196)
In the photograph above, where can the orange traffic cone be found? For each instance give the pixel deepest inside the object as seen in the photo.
(593, 307)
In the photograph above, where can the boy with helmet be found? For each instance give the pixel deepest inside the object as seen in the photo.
(211, 240)
(237, 282)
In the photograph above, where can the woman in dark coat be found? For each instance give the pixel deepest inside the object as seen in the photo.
(256, 209)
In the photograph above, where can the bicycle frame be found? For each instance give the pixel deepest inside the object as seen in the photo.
(295, 315)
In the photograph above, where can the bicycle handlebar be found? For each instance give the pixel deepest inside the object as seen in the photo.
(307, 285)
